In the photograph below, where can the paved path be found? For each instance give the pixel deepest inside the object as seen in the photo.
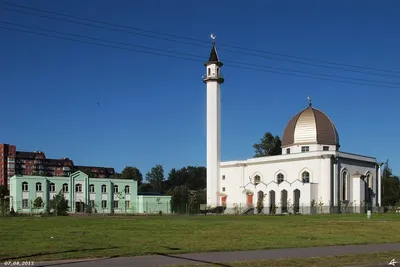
(229, 257)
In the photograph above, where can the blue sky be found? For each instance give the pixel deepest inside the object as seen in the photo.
(152, 108)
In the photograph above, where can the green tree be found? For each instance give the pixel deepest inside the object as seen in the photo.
(4, 193)
(269, 146)
(193, 177)
(38, 203)
(59, 204)
(390, 187)
(155, 177)
(130, 172)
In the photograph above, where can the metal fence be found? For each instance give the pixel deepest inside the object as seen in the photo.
(167, 208)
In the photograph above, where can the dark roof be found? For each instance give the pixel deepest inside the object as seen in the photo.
(213, 55)
(213, 59)
(58, 162)
(25, 155)
(326, 130)
(106, 169)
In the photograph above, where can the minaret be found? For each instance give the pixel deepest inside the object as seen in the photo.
(213, 80)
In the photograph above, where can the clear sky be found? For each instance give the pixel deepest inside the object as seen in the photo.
(152, 108)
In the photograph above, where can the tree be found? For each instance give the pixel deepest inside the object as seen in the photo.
(155, 177)
(390, 187)
(193, 177)
(269, 146)
(59, 204)
(130, 172)
(38, 203)
(4, 193)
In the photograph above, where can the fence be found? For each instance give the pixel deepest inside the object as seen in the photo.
(166, 208)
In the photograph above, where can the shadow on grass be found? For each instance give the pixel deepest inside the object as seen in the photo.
(55, 253)
(193, 260)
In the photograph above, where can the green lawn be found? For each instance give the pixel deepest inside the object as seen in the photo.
(337, 261)
(87, 237)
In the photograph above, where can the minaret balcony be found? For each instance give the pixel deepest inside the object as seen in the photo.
(213, 77)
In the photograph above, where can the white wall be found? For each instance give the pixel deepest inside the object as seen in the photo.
(238, 176)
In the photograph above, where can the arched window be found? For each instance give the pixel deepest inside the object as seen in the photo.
(345, 186)
(257, 179)
(305, 177)
(369, 181)
(39, 187)
(52, 187)
(127, 189)
(103, 189)
(280, 178)
(116, 189)
(25, 186)
(65, 188)
(91, 188)
(78, 188)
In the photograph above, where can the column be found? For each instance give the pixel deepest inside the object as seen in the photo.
(379, 188)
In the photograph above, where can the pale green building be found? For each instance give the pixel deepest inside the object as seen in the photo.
(84, 194)
(154, 204)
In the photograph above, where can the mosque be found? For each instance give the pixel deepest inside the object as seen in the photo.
(311, 175)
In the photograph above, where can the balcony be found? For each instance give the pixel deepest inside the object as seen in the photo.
(213, 76)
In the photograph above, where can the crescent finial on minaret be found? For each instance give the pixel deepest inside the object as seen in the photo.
(213, 38)
(310, 102)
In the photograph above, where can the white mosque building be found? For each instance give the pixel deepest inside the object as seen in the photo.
(311, 175)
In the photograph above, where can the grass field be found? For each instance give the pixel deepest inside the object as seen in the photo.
(337, 261)
(29, 238)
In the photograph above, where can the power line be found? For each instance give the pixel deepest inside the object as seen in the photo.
(191, 55)
(202, 41)
(190, 59)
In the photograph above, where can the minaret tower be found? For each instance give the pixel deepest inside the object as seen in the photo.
(213, 80)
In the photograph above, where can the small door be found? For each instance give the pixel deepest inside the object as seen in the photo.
(249, 200)
(223, 201)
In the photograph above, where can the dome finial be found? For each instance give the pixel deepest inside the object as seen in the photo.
(309, 100)
(213, 38)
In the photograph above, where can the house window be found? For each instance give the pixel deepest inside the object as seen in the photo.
(287, 150)
(305, 148)
(305, 177)
(104, 204)
(116, 189)
(223, 189)
(52, 187)
(24, 186)
(344, 186)
(104, 189)
(65, 188)
(116, 204)
(127, 189)
(92, 203)
(91, 188)
(257, 179)
(280, 178)
(39, 187)
(325, 148)
(24, 203)
(223, 177)
(127, 204)
(78, 188)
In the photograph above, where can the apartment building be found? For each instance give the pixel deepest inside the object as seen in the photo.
(13, 162)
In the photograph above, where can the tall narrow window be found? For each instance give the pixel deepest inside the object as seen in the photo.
(257, 179)
(39, 187)
(344, 186)
(24, 186)
(287, 150)
(305, 177)
(280, 178)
